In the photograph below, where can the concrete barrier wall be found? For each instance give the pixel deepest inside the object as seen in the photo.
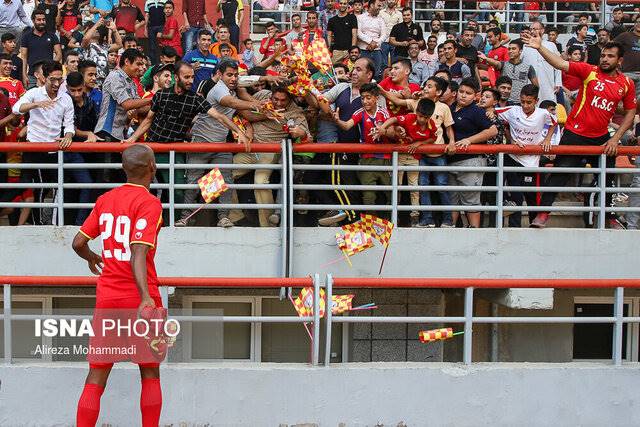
(267, 395)
(487, 253)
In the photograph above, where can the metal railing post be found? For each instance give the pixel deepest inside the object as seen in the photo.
(468, 326)
(413, 10)
(602, 182)
(618, 312)
(164, 296)
(60, 197)
(555, 14)
(315, 347)
(603, 13)
(500, 192)
(172, 189)
(287, 206)
(394, 184)
(7, 323)
(507, 14)
(460, 15)
(328, 320)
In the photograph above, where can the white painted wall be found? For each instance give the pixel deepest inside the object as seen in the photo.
(433, 394)
(483, 253)
(256, 252)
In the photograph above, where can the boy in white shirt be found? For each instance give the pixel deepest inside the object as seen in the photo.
(528, 125)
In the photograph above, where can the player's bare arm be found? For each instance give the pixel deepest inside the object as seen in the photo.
(533, 40)
(81, 246)
(611, 147)
(139, 270)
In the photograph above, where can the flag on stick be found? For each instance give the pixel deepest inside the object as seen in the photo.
(353, 242)
(304, 302)
(378, 228)
(318, 54)
(437, 334)
(212, 185)
(341, 303)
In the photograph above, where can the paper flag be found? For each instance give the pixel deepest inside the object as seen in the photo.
(353, 242)
(242, 124)
(353, 227)
(378, 228)
(212, 185)
(319, 55)
(304, 302)
(437, 334)
(341, 303)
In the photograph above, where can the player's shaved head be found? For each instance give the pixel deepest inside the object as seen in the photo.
(137, 159)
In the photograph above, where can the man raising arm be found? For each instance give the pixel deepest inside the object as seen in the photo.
(604, 87)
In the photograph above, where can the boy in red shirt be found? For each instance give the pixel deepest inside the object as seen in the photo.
(367, 119)
(170, 35)
(415, 129)
(128, 219)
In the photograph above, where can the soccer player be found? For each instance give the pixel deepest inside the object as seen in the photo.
(528, 125)
(604, 87)
(128, 219)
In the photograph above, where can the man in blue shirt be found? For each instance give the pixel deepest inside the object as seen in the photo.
(470, 126)
(203, 62)
(102, 8)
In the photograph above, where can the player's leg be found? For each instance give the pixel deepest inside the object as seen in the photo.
(150, 395)
(89, 402)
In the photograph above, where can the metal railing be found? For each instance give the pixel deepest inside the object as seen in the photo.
(182, 282)
(512, 17)
(286, 188)
(468, 319)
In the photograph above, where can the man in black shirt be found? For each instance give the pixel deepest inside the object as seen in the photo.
(232, 16)
(594, 50)
(404, 32)
(8, 41)
(342, 32)
(467, 51)
(173, 110)
(85, 120)
(38, 45)
(170, 118)
(154, 10)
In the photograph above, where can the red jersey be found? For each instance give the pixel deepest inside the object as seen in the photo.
(123, 216)
(571, 82)
(171, 24)
(388, 85)
(266, 47)
(500, 54)
(598, 99)
(14, 88)
(366, 123)
(409, 122)
(70, 18)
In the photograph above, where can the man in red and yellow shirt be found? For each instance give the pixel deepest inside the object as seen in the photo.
(398, 83)
(603, 88)
(14, 87)
(127, 219)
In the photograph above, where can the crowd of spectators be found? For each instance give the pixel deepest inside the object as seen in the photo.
(74, 71)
